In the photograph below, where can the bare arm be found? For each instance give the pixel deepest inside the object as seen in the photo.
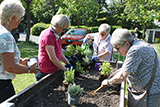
(52, 56)
(64, 59)
(10, 66)
(117, 78)
(103, 55)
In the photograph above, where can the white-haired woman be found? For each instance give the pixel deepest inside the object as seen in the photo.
(138, 65)
(11, 12)
(101, 43)
(50, 52)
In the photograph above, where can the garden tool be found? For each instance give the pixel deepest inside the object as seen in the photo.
(94, 91)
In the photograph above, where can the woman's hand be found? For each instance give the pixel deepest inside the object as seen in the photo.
(105, 82)
(23, 61)
(34, 69)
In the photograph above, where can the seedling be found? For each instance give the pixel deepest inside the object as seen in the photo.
(79, 69)
(75, 90)
(106, 68)
(69, 75)
(85, 61)
(71, 49)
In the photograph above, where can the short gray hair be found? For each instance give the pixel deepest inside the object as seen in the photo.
(119, 36)
(10, 8)
(61, 21)
(105, 28)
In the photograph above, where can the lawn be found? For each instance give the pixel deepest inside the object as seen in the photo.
(22, 81)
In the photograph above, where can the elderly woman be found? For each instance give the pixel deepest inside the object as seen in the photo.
(101, 44)
(50, 52)
(11, 12)
(138, 65)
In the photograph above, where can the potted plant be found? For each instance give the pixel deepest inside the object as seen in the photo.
(71, 49)
(72, 58)
(78, 51)
(105, 70)
(74, 93)
(79, 69)
(85, 62)
(88, 51)
(68, 78)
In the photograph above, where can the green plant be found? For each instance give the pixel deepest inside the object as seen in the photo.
(38, 27)
(85, 61)
(78, 50)
(71, 49)
(69, 75)
(106, 68)
(79, 69)
(157, 39)
(75, 90)
(87, 51)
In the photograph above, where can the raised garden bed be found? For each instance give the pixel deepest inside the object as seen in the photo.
(49, 92)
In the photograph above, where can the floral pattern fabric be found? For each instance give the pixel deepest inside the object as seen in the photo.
(7, 44)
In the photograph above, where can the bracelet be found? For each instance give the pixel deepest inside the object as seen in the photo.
(29, 70)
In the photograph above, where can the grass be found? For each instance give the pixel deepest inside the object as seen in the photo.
(22, 81)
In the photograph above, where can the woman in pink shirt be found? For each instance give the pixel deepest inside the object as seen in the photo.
(50, 52)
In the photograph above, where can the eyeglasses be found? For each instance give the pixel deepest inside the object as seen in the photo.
(117, 48)
(101, 33)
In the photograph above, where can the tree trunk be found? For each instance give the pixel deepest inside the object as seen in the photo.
(28, 2)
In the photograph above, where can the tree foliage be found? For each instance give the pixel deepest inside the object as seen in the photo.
(143, 12)
(80, 11)
(43, 10)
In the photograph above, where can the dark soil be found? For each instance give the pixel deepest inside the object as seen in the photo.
(53, 95)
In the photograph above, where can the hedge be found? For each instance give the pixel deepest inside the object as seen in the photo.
(38, 27)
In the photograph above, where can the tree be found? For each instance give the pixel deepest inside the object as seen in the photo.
(81, 11)
(142, 12)
(28, 2)
(43, 10)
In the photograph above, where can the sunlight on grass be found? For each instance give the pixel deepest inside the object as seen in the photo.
(22, 81)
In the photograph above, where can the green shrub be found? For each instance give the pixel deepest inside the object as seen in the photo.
(106, 68)
(114, 28)
(132, 31)
(75, 90)
(88, 51)
(78, 50)
(20, 27)
(71, 49)
(79, 69)
(85, 61)
(69, 75)
(93, 29)
(38, 27)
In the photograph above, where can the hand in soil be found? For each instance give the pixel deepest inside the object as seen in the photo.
(94, 91)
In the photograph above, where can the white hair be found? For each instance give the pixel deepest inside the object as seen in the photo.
(61, 21)
(10, 8)
(119, 36)
(104, 28)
